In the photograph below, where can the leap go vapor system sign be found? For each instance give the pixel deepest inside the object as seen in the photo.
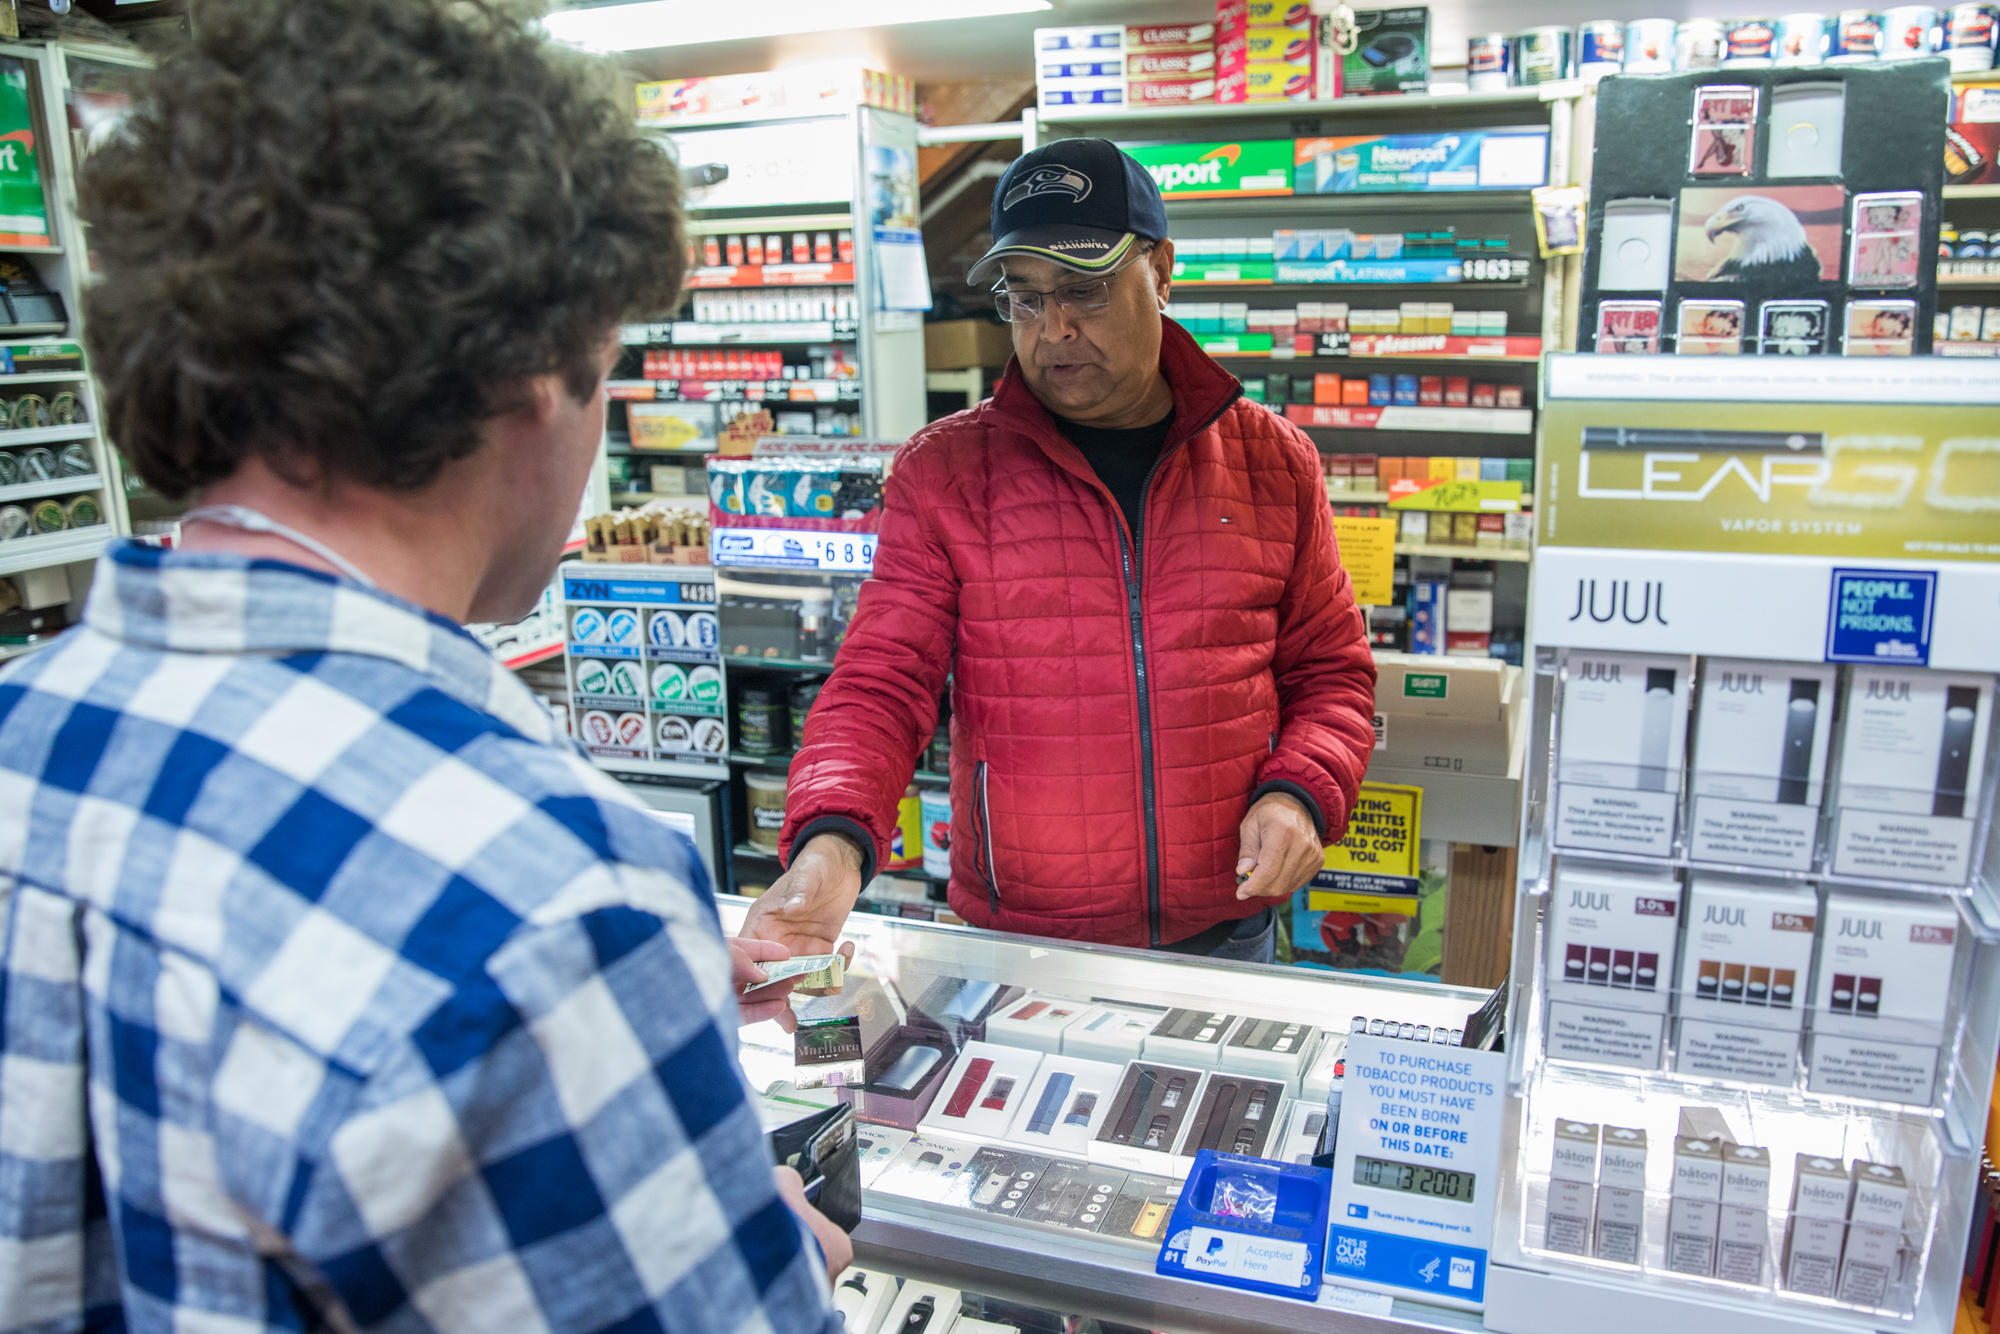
(1244, 169)
(1416, 1170)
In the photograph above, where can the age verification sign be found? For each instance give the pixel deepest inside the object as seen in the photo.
(1416, 1170)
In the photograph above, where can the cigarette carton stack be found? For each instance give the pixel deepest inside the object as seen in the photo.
(1111, 67)
(1271, 51)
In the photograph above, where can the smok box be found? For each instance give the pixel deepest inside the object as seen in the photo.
(1065, 1105)
(1140, 1211)
(1883, 990)
(1878, 1196)
(1743, 976)
(1148, 1117)
(1621, 1195)
(1611, 936)
(926, 1169)
(1236, 1115)
(1694, 1211)
(1189, 1037)
(1072, 1195)
(878, 1147)
(1035, 1021)
(1912, 766)
(1744, 1228)
(1760, 749)
(1109, 1033)
(1818, 1225)
(1304, 1124)
(997, 1180)
(1572, 1188)
(1272, 1049)
(1624, 728)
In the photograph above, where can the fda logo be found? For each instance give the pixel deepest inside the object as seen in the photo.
(1461, 1273)
(1351, 1252)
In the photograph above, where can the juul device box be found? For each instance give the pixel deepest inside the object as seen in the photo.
(1624, 732)
(1611, 936)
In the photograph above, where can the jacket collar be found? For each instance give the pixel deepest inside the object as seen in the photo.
(1202, 392)
(213, 602)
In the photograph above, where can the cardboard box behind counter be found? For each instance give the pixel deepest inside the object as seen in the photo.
(1463, 714)
(952, 345)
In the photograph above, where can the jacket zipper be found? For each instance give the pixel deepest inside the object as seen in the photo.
(984, 852)
(1133, 572)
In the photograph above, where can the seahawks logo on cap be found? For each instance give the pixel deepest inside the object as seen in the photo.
(1049, 181)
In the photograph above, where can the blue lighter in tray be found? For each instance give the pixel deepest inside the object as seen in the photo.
(1250, 1223)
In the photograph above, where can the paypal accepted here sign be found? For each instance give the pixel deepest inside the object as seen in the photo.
(1243, 169)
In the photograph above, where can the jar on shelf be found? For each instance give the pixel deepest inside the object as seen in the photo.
(762, 720)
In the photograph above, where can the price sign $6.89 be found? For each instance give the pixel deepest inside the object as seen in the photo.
(844, 551)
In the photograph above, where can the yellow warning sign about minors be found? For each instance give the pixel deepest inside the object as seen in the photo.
(1368, 551)
(1379, 851)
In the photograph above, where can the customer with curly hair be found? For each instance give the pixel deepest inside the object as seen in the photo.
(338, 991)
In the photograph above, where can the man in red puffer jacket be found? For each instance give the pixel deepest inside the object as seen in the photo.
(1161, 686)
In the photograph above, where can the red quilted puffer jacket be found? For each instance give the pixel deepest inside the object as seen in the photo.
(1113, 710)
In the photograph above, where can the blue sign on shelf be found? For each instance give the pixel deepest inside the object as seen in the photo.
(1881, 616)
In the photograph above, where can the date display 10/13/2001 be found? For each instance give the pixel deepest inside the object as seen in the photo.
(1413, 1178)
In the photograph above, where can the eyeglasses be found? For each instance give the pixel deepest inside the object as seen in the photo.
(1025, 305)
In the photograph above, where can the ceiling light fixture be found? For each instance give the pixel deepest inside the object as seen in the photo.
(644, 25)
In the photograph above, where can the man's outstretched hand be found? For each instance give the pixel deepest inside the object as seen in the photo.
(1281, 851)
(805, 908)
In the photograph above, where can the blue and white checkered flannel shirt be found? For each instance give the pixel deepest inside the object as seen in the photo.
(340, 992)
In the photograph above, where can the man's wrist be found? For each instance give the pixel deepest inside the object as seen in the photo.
(833, 843)
(1305, 800)
(852, 841)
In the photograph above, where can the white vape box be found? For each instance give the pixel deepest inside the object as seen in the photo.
(1818, 1225)
(878, 1147)
(923, 1308)
(1611, 936)
(862, 1297)
(926, 1169)
(1760, 749)
(1694, 1211)
(1619, 755)
(1148, 1118)
(1035, 1021)
(1305, 1121)
(983, 1093)
(1621, 1195)
(1874, 1233)
(1189, 1037)
(1745, 1226)
(1065, 1106)
(1325, 1072)
(1109, 1033)
(1271, 1049)
(1912, 766)
(1572, 1188)
(1883, 988)
(1743, 977)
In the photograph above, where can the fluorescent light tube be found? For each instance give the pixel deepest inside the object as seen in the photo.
(648, 24)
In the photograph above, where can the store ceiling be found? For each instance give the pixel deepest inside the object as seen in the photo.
(999, 48)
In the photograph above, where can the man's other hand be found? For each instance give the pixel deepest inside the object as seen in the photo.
(838, 1247)
(773, 1002)
(805, 908)
(1281, 851)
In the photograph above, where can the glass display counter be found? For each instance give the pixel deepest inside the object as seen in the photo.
(1029, 1109)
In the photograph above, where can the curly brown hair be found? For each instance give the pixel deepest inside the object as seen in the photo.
(340, 235)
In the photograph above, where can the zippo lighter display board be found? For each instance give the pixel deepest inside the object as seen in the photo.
(1745, 211)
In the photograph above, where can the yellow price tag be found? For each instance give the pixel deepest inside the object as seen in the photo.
(1368, 551)
(1464, 498)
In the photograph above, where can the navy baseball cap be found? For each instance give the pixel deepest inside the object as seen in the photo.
(1080, 202)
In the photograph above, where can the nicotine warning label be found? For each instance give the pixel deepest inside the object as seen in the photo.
(1611, 819)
